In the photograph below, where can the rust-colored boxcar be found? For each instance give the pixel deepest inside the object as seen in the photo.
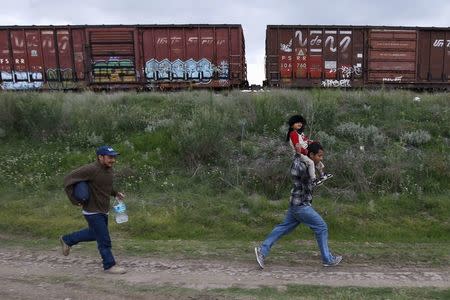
(357, 56)
(122, 57)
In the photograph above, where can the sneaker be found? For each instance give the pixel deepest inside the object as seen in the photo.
(326, 176)
(116, 270)
(334, 262)
(259, 257)
(317, 182)
(65, 249)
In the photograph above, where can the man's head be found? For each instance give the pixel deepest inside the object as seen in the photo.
(315, 152)
(106, 155)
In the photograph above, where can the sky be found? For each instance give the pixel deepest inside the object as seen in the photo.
(254, 16)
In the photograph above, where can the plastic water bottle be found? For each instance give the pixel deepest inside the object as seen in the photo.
(120, 211)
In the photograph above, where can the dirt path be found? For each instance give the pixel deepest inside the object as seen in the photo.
(29, 274)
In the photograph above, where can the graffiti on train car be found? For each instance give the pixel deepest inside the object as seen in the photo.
(114, 69)
(439, 43)
(21, 80)
(60, 79)
(295, 58)
(57, 79)
(201, 71)
(349, 71)
(330, 41)
(343, 83)
(395, 79)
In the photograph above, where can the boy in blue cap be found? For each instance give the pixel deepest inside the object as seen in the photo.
(99, 177)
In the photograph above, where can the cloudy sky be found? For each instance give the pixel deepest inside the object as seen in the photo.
(253, 15)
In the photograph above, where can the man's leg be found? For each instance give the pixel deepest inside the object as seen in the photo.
(313, 220)
(289, 223)
(98, 223)
(84, 235)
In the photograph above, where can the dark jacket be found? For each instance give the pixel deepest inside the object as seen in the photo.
(100, 180)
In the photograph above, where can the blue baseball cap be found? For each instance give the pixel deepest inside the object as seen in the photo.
(106, 150)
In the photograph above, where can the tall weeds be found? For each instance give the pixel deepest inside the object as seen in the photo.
(376, 141)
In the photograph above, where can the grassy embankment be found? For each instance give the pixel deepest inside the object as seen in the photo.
(203, 166)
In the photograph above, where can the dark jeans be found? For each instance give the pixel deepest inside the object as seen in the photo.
(97, 231)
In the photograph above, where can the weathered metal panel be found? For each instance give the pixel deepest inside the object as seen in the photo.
(112, 52)
(19, 53)
(223, 52)
(438, 52)
(207, 47)
(192, 43)
(392, 52)
(392, 55)
(237, 71)
(79, 43)
(285, 53)
(397, 66)
(5, 54)
(176, 39)
(446, 75)
(193, 55)
(65, 55)
(272, 64)
(49, 53)
(330, 56)
(393, 45)
(314, 55)
(34, 53)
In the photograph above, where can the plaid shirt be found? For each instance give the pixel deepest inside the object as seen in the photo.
(301, 192)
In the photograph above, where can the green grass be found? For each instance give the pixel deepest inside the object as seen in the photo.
(200, 165)
(201, 214)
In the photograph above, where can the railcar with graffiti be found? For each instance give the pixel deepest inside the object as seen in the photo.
(357, 56)
(160, 57)
(109, 57)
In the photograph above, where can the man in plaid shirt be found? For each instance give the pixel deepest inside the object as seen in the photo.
(301, 211)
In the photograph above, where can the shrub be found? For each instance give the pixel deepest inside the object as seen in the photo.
(415, 138)
(368, 135)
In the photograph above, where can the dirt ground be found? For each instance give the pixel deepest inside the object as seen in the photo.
(32, 274)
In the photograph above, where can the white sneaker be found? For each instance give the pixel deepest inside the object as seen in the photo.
(116, 270)
(259, 257)
(334, 262)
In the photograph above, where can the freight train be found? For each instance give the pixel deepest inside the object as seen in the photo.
(106, 57)
(350, 56)
(166, 57)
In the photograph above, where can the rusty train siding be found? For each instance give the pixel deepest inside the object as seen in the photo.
(122, 57)
(356, 56)
(213, 56)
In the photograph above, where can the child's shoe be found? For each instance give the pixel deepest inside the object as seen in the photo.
(317, 182)
(322, 179)
(326, 176)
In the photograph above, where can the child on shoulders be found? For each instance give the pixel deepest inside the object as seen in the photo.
(299, 143)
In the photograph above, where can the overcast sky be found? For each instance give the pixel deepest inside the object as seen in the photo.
(253, 15)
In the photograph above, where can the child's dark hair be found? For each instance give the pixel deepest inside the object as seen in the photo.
(314, 148)
(292, 120)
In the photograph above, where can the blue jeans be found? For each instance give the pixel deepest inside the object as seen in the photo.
(294, 217)
(97, 231)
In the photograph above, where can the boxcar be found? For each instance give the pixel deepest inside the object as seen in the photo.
(357, 56)
(122, 57)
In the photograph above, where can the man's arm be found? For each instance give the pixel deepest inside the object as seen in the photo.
(84, 173)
